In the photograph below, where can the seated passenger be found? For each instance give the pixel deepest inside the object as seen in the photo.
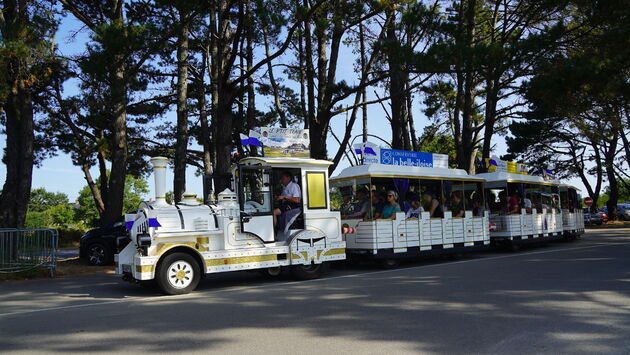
(478, 209)
(392, 206)
(290, 202)
(513, 205)
(432, 204)
(361, 210)
(458, 204)
(377, 207)
(416, 207)
(527, 203)
(347, 207)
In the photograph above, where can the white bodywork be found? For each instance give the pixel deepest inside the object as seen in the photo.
(572, 220)
(213, 234)
(413, 234)
(525, 225)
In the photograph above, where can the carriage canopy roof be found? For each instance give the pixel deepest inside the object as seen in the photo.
(511, 177)
(399, 171)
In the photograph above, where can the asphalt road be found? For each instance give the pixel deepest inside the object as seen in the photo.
(562, 298)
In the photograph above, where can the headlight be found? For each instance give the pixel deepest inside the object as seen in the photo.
(143, 240)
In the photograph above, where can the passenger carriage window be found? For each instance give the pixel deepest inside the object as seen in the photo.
(316, 190)
(536, 196)
(431, 197)
(351, 198)
(555, 198)
(473, 198)
(454, 197)
(546, 198)
(496, 197)
(564, 199)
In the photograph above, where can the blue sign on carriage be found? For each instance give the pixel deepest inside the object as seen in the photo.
(406, 158)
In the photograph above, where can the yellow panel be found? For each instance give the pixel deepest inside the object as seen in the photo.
(316, 190)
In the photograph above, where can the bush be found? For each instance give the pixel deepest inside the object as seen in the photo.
(38, 220)
(69, 237)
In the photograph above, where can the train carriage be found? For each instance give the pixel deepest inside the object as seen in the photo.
(441, 211)
(572, 216)
(523, 208)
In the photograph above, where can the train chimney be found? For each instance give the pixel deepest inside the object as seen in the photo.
(159, 173)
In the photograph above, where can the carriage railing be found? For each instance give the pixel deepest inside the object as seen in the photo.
(25, 249)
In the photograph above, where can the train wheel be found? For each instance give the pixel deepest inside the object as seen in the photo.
(271, 272)
(308, 272)
(389, 263)
(513, 247)
(178, 274)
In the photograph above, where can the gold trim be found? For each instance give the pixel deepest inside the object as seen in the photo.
(295, 256)
(408, 177)
(241, 260)
(335, 251)
(144, 268)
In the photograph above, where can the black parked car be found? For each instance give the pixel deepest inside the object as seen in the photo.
(98, 245)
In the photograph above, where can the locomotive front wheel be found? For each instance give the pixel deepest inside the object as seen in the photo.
(308, 272)
(178, 274)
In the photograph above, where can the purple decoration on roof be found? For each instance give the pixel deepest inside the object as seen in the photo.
(369, 150)
(255, 142)
(357, 151)
(153, 222)
(128, 225)
(493, 162)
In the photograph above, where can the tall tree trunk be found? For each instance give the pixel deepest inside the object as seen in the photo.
(119, 153)
(181, 144)
(468, 145)
(397, 82)
(363, 92)
(18, 157)
(613, 185)
(274, 84)
(19, 126)
(251, 90)
(310, 70)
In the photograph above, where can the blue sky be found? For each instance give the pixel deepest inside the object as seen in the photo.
(60, 175)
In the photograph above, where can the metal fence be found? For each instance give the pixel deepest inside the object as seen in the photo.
(24, 249)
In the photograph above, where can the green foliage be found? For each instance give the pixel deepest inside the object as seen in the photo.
(38, 220)
(48, 210)
(434, 141)
(42, 200)
(62, 215)
(135, 191)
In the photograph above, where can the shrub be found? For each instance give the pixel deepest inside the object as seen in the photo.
(69, 237)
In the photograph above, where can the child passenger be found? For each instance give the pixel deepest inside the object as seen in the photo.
(416, 207)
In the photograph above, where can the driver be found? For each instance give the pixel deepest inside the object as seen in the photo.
(290, 199)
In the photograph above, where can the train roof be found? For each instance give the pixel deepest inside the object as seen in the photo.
(569, 186)
(285, 162)
(511, 177)
(399, 171)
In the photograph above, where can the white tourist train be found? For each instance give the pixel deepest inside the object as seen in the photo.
(177, 244)
(394, 205)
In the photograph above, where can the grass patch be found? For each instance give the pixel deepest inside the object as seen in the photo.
(69, 267)
(611, 225)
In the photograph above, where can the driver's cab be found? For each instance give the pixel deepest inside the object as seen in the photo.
(258, 184)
